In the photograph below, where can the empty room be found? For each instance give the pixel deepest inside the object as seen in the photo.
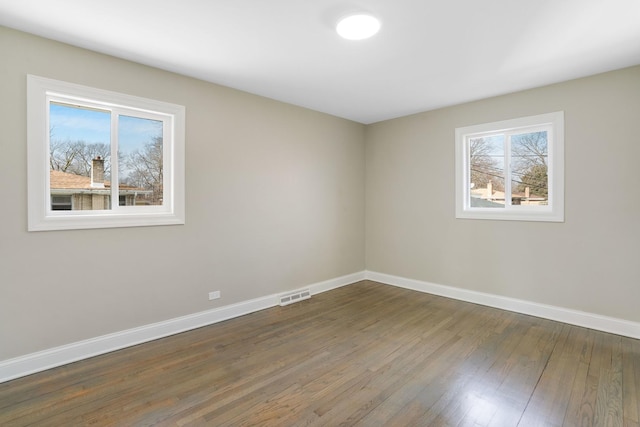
(288, 213)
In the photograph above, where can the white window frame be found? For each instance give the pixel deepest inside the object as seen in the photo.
(40, 92)
(554, 211)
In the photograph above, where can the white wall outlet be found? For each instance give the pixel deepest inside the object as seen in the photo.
(214, 295)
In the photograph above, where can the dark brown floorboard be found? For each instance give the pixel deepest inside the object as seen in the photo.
(363, 355)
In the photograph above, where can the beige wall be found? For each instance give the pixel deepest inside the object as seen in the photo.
(275, 201)
(591, 262)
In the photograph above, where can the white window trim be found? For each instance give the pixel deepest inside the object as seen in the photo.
(40, 216)
(554, 212)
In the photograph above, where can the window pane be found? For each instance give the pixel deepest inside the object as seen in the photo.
(529, 169)
(79, 157)
(486, 174)
(61, 203)
(140, 161)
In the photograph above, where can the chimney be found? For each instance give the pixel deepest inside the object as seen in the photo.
(97, 172)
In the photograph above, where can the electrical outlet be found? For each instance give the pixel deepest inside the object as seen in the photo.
(214, 295)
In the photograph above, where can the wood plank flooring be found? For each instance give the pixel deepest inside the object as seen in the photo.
(363, 355)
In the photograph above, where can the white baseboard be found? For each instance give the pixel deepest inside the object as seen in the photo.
(46, 359)
(336, 283)
(573, 317)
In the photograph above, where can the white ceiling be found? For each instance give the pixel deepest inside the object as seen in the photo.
(428, 54)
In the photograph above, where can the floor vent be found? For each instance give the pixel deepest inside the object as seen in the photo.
(290, 298)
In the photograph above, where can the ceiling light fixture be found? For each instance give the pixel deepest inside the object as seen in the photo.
(358, 27)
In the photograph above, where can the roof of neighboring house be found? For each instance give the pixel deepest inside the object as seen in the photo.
(59, 180)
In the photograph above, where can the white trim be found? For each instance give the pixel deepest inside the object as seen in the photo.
(339, 282)
(40, 92)
(553, 123)
(51, 358)
(573, 317)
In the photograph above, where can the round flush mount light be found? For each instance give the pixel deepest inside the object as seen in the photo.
(358, 27)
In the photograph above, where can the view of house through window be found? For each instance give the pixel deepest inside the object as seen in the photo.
(509, 169)
(102, 159)
(140, 160)
(81, 152)
(512, 169)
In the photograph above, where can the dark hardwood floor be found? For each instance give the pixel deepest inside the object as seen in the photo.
(365, 355)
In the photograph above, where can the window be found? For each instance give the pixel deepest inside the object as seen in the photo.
(102, 159)
(61, 203)
(511, 170)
